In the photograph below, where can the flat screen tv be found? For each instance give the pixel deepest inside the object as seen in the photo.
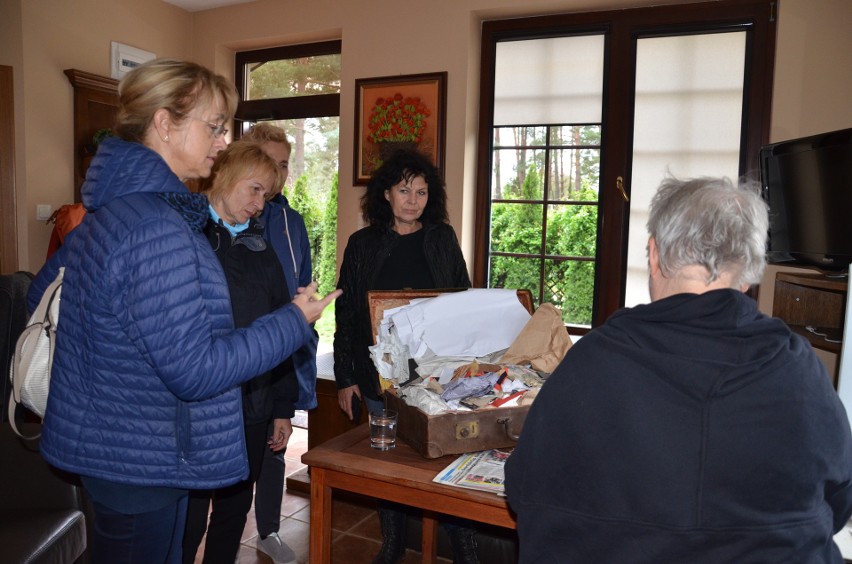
(807, 183)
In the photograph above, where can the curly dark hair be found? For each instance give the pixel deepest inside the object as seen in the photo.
(404, 164)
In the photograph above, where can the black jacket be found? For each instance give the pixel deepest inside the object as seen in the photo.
(692, 429)
(257, 286)
(363, 258)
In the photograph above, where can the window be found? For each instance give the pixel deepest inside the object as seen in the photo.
(297, 88)
(545, 169)
(544, 213)
(581, 116)
(298, 80)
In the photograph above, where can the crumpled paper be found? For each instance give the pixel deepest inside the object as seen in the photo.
(543, 342)
(470, 387)
(427, 401)
(390, 358)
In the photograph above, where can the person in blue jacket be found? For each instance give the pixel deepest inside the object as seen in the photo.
(693, 428)
(145, 398)
(285, 230)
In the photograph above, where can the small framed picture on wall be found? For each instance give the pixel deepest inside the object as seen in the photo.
(125, 58)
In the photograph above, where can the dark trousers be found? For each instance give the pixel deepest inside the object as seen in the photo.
(142, 538)
(230, 508)
(268, 491)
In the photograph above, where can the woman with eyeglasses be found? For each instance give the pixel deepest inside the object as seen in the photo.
(243, 179)
(145, 401)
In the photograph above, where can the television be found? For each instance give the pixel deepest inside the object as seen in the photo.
(807, 183)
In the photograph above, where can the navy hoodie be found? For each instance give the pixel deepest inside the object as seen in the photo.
(693, 429)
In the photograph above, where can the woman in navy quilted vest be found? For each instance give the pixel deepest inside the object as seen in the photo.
(145, 399)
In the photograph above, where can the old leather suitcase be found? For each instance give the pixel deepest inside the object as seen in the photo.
(457, 432)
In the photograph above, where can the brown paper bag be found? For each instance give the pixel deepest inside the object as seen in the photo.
(542, 342)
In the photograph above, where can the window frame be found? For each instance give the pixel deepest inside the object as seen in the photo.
(546, 203)
(623, 28)
(320, 105)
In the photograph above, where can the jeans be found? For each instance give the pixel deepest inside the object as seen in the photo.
(374, 405)
(154, 537)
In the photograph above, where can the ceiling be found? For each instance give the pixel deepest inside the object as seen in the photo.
(198, 5)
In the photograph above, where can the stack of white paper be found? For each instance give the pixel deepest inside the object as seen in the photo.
(472, 323)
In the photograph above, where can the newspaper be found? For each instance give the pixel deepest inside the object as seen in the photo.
(482, 471)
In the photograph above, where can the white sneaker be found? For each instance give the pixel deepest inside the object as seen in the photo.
(276, 549)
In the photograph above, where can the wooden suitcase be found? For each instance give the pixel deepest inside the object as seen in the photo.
(434, 436)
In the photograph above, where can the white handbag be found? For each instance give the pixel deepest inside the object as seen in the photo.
(33, 358)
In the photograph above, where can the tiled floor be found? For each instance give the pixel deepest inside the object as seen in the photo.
(355, 522)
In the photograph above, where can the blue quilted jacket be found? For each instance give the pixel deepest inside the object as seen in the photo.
(144, 388)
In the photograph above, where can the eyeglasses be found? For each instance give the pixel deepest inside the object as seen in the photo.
(216, 129)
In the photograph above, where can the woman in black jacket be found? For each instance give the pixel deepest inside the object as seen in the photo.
(243, 178)
(408, 243)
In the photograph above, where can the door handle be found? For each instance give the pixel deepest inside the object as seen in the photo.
(619, 183)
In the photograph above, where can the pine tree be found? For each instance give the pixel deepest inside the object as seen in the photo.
(301, 201)
(327, 271)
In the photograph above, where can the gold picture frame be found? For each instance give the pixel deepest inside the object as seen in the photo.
(417, 106)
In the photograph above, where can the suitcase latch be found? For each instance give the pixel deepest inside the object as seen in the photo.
(469, 430)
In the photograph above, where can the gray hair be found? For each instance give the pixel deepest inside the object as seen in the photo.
(712, 223)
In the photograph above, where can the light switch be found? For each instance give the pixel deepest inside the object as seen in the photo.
(43, 212)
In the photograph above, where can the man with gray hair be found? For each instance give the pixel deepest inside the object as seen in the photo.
(691, 429)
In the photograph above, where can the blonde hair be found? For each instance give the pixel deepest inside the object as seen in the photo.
(267, 133)
(240, 160)
(175, 85)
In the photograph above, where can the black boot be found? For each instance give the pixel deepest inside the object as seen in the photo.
(393, 536)
(463, 542)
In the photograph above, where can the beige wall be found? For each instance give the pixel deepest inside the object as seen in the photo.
(813, 69)
(56, 35)
(439, 36)
(812, 77)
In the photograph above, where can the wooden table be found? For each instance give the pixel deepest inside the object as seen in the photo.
(347, 462)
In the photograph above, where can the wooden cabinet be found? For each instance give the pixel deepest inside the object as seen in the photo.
(328, 420)
(814, 306)
(95, 108)
(325, 422)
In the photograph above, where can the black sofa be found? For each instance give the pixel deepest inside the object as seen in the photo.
(41, 510)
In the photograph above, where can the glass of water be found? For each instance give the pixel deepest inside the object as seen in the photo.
(383, 429)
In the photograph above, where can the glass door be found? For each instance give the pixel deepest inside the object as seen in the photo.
(687, 121)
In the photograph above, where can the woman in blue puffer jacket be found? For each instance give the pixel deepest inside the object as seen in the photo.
(145, 399)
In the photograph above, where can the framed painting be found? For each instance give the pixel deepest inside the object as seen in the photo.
(393, 112)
